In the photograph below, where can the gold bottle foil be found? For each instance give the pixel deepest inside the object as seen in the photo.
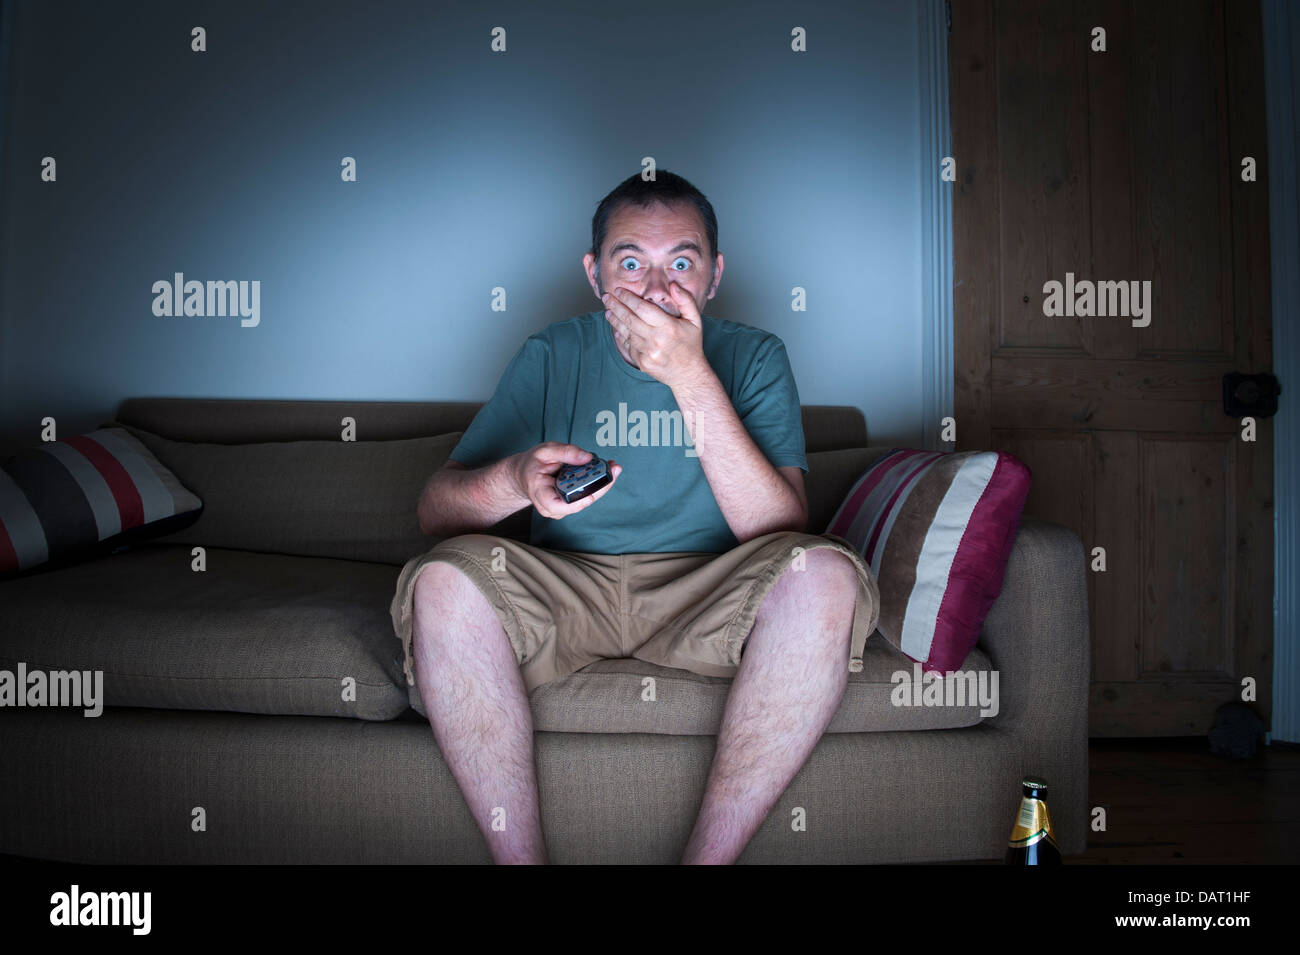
(1032, 825)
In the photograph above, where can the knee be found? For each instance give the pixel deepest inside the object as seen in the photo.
(448, 612)
(439, 587)
(825, 573)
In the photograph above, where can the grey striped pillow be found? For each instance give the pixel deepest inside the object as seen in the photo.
(937, 529)
(73, 498)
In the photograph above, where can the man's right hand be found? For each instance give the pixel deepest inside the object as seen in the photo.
(534, 472)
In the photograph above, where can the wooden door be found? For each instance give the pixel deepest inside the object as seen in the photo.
(1125, 165)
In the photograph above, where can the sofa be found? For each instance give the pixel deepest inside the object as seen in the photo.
(226, 736)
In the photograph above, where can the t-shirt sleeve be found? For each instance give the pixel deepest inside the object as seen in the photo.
(768, 406)
(511, 420)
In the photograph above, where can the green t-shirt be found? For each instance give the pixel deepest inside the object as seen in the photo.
(569, 383)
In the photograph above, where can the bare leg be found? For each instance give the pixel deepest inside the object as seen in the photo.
(469, 680)
(788, 686)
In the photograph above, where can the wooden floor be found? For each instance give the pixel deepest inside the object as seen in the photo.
(1169, 801)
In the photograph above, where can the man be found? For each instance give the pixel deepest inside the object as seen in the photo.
(694, 554)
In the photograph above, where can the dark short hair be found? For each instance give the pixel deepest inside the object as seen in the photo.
(666, 187)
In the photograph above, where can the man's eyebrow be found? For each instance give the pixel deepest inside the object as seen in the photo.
(679, 247)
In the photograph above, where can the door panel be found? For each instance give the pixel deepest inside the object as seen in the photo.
(1124, 166)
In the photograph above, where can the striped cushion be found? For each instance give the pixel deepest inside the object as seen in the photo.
(80, 496)
(937, 530)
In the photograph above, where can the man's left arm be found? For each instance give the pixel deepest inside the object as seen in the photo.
(755, 496)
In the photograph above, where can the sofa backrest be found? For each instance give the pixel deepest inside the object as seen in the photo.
(275, 476)
(239, 420)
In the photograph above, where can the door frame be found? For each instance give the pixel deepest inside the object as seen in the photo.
(936, 224)
(1282, 86)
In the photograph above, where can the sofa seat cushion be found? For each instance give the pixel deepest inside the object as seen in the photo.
(276, 634)
(611, 696)
(253, 633)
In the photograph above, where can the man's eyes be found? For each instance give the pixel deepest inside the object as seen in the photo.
(685, 264)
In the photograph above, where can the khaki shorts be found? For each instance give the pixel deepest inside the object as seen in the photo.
(563, 610)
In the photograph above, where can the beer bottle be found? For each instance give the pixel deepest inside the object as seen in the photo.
(1032, 840)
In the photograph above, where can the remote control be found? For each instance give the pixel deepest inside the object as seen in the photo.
(576, 481)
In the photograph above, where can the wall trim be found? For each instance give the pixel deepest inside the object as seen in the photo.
(936, 225)
(7, 227)
(1281, 23)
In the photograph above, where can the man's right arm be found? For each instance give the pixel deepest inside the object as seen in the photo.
(460, 500)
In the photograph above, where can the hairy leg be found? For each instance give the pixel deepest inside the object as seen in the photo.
(789, 683)
(478, 709)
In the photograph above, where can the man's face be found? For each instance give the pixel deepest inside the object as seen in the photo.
(647, 248)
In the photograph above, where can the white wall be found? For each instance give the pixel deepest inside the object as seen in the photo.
(476, 170)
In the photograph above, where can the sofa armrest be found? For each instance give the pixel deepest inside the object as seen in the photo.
(1037, 635)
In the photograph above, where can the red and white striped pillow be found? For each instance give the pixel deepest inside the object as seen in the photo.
(937, 529)
(58, 501)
